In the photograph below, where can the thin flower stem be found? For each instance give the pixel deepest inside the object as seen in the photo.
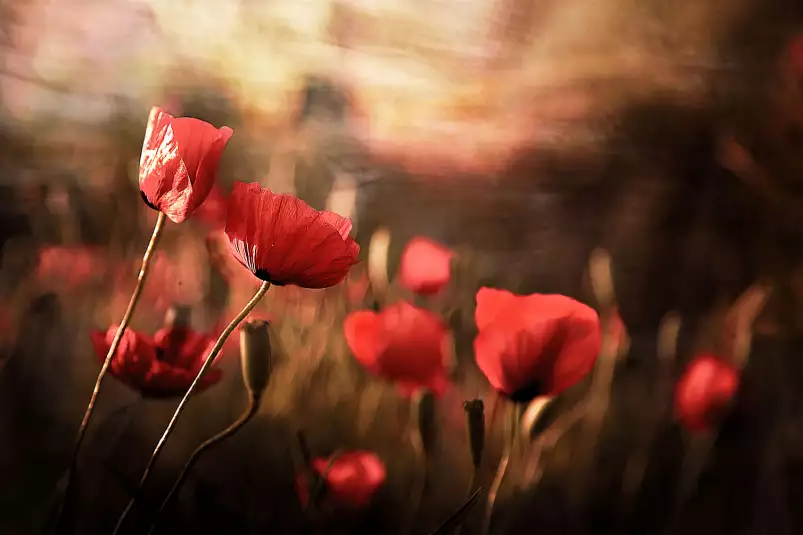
(204, 368)
(512, 424)
(90, 408)
(250, 412)
(473, 483)
(417, 441)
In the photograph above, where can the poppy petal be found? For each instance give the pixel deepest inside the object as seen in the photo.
(361, 332)
(490, 303)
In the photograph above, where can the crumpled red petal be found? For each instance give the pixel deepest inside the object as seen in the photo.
(281, 239)
(179, 162)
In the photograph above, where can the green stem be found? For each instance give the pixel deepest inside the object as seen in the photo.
(118, 336)
(250, 412)
(204, 368)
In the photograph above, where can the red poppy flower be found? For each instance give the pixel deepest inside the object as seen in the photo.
(425, 266)
(158, 367)
(179, 163)
(704, 392)
(282, 240)
(402, 343)
(350, 479)
(534, 344)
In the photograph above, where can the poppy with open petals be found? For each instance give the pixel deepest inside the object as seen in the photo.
(535, 344)
(159, 367)
(705, 391)
(403, 344)
(350, 479)
(425, 266)
(283, 240)
(179, 163)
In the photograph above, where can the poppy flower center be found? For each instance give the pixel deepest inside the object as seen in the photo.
(262, 274)
(147, 202)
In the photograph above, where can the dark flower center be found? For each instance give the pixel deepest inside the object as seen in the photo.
(147, 202)
(262, 274)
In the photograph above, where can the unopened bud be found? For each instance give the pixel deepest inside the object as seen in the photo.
(255, 355)
(425, 415)
(178, 316)
(475, 422)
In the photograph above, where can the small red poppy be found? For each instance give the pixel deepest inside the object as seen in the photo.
(704, 392)
(159, 367)
(179, 162)
(403, 344)
(350, 479)
(282, 240)
(535, 344)
(425, 266)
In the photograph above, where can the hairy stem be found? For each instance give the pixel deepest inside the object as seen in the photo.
(90, 408)
(181, 406)
(250, 412)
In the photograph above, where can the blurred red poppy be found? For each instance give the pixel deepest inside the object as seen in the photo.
(179, 162)
(535, 344)
(159, 367)
(73, 266)
(403, 344)
(350, 479)
(425, 266)
(705, 391)
(213, 210)
(282, 240)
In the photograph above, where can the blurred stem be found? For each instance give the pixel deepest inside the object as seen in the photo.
(320, 481)
(417, 441)
(263, 288)
(118, 336)
(250, 412)
(694, 462)
(512, 432)
(472, 483)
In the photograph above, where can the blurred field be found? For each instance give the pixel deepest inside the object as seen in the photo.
(522, 136)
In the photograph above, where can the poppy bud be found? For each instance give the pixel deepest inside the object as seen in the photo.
(424, 408)
(255, 354)
(178, 316)
(705, 391)
(475, 422)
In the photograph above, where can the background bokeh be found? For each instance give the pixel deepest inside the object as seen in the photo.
(521, 134)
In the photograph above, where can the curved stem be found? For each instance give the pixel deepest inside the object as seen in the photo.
(472, 483)
(204, 368)
(512, 424)
(118, 336)
(250, 412)
(417, 441)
